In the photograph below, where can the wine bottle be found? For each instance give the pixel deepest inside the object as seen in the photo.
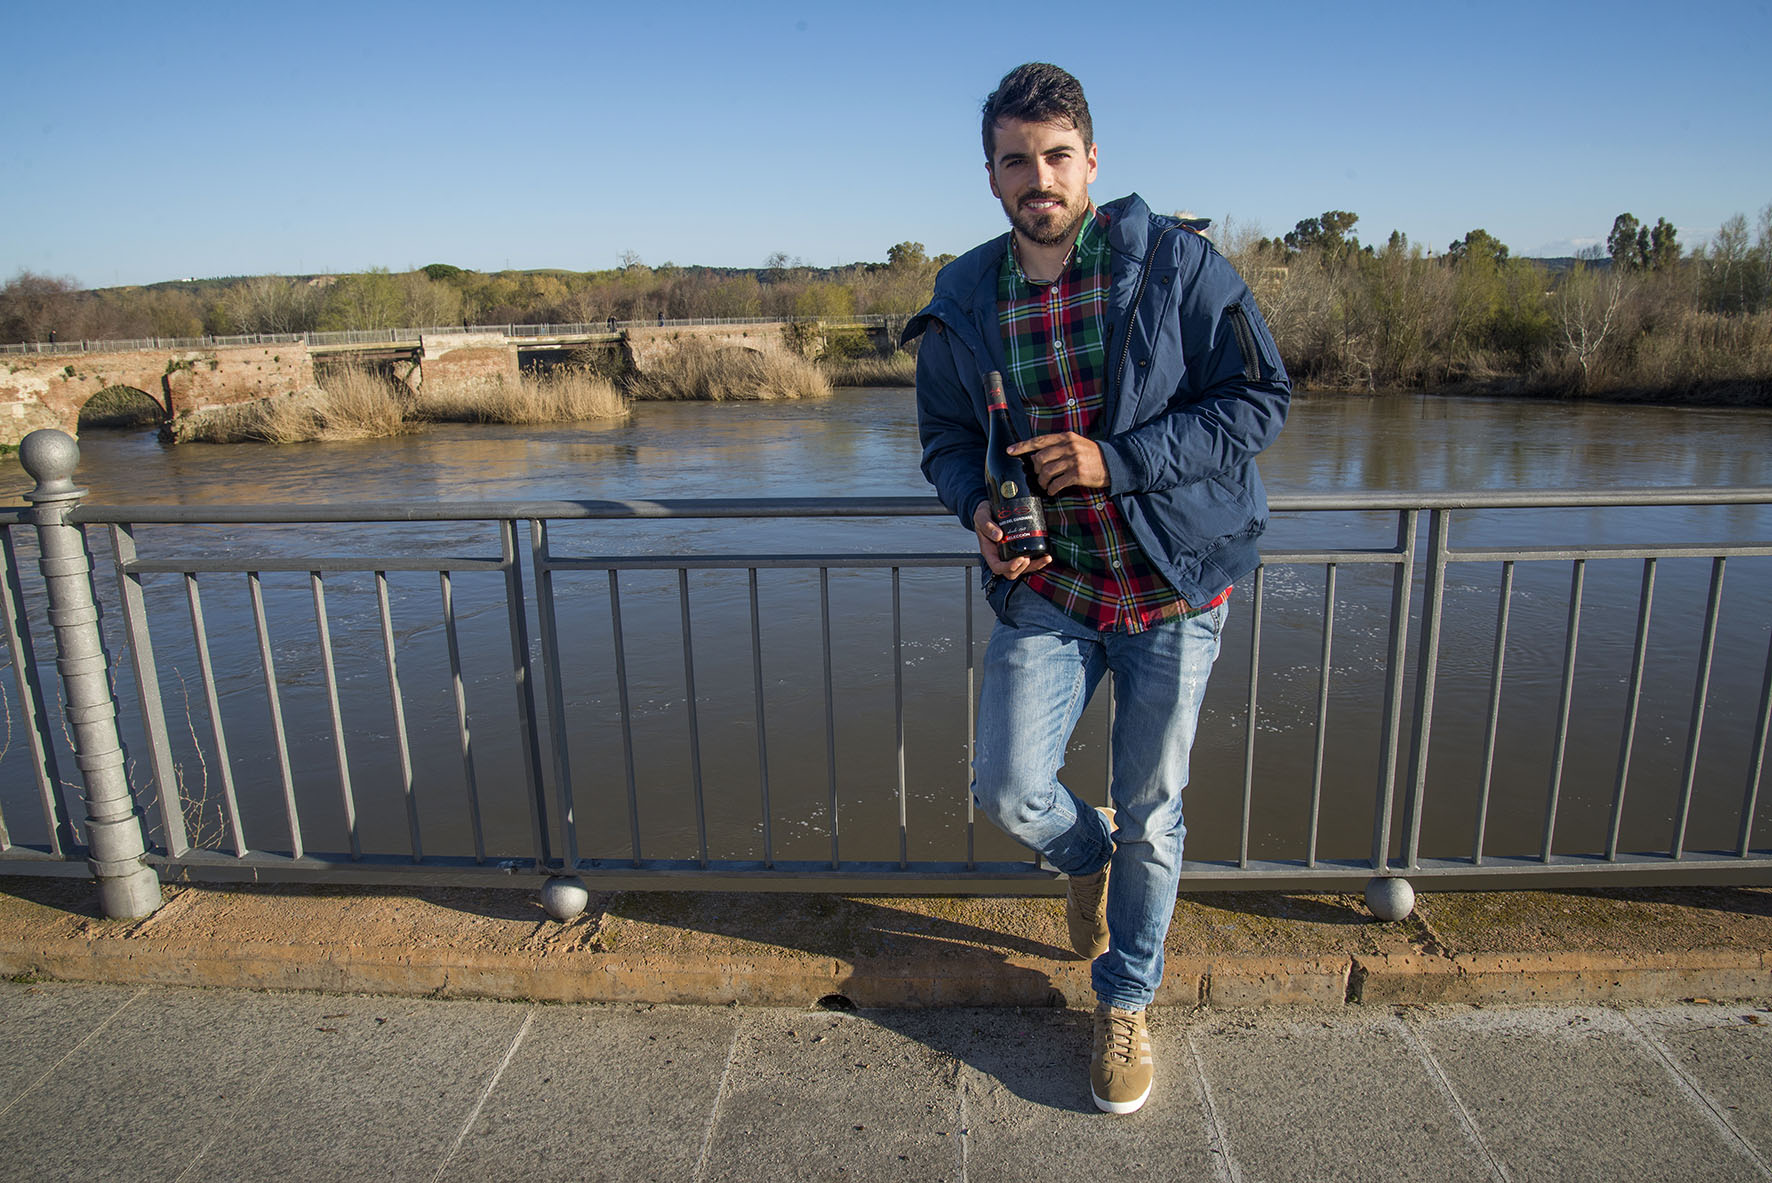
(1015, 502)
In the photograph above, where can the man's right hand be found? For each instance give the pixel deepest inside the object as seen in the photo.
(989, 535)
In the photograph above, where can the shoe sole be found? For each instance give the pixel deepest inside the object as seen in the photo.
(1120, 1106)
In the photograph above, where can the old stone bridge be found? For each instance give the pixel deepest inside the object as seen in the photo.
(186, 380)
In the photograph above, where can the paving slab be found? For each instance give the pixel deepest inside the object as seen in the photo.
(41, 1023)
(356, 1085)
(603, 1092)
(1024, 1098)
(170, 1071)
(820, 1095)
(1572, 1094)
(1725, 1053)
(1343, 1096)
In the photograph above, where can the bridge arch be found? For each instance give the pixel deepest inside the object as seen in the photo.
(121, 406)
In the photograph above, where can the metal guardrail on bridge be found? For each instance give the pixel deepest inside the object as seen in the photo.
(580, 808)
(411, 336)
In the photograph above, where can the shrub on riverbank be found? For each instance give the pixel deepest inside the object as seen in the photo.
(700, 372)
(899, 369)
(564, 395)
(354, 404)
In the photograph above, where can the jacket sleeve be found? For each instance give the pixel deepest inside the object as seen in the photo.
(953, 441)
(1230, 403)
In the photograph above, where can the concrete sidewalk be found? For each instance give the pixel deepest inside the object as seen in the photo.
(146, 1082)
(1232, 949)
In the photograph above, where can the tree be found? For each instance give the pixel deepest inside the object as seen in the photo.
(1658, 247)
(906, 254)
(1587, 304)
(1624, 243)
(1327, 235)
(1478, 244)
(33, 305)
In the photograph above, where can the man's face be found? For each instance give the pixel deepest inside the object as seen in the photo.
(1041, 173)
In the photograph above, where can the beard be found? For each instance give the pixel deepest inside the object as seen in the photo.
(1046, 227)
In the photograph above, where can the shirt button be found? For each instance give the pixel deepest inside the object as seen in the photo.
(1116, 564)
(1070, 402)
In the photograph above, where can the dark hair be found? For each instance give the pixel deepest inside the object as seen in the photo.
(1038, 92)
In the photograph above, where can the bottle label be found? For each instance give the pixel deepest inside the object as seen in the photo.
(1021, 519)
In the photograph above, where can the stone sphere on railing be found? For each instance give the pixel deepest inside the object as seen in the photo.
(565, 897)
(1390, 898)
(50, 455)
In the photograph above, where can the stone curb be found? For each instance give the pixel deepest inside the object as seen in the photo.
(738, 949)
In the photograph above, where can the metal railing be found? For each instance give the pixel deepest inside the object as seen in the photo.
(563, 793)
(411, 336)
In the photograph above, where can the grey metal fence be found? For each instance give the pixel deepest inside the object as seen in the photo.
(412, 335)
(571, 729)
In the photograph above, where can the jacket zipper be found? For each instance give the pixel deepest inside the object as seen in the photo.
(1245, 341)
(1144, 276)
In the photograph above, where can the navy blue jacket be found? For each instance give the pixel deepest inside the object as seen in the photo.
(1194, 389)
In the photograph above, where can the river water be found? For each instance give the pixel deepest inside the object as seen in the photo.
(863, 443)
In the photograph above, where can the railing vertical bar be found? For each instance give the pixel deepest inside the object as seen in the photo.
(1390, 738)
(966, 578)
(904, 855)
(1491, 726)
(224, 765)
(830, 712)
(762, 723)
(1756, 762)
(347, 796)
(1566, 698)
(1700, 696)
(464, 733)
(627, 714)
(407, 786)
(1323, 668)
(695, 776)
(1427, 673)
(44, 764)
(1259, 600)
(275, 700)
(1633, 699)
(523, 681)
(548, 634)
(147, 684)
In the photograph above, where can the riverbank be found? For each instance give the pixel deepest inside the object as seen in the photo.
(717, 948)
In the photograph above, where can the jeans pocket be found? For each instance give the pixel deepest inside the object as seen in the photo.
(996, 594)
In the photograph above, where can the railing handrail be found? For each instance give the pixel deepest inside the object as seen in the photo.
(847, 507)
(410, 334)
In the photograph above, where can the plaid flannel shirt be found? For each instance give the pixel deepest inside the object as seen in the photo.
(1055, 356)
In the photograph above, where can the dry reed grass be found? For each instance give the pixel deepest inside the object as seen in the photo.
(354, 404)
(563, 395)
(898, 369)
(698, 371)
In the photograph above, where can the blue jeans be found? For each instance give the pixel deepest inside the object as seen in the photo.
(1040, 669)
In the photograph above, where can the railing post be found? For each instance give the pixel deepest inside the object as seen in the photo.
(128, 889)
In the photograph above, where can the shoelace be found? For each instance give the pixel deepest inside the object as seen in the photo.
(1119, 1039)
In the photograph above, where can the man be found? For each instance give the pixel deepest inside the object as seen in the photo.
(1143, 382)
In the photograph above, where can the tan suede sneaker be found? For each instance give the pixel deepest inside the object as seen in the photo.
(1120, 1071)
(1085, 906)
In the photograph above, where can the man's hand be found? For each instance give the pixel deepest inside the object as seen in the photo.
(1064, 460)
(988, 537)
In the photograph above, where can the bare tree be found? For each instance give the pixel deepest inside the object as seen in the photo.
(1587, 303)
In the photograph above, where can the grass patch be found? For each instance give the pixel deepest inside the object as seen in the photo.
(898, 369)
(700, 372)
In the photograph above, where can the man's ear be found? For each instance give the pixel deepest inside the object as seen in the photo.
(992, 174)
(1090, 179)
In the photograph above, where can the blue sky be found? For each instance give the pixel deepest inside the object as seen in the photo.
(154, 142)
